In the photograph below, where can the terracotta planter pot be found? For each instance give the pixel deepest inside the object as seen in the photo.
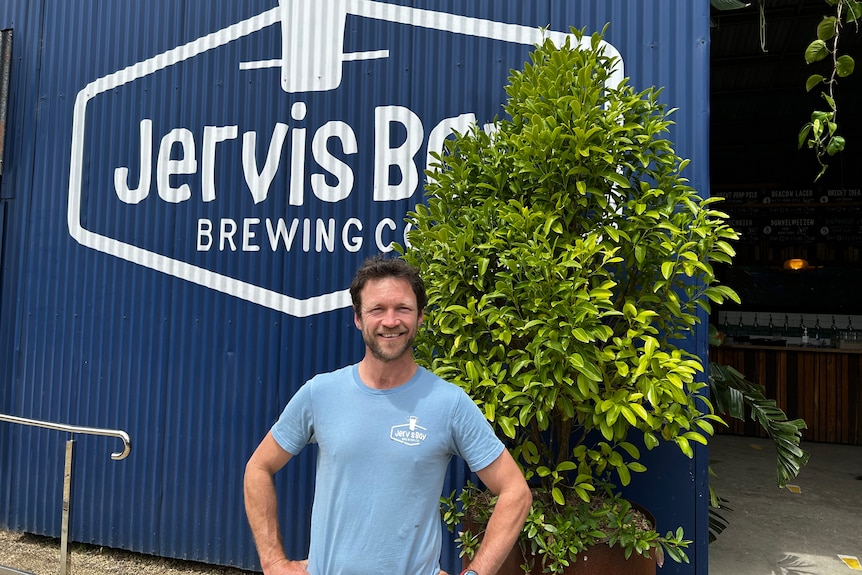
(597, 560)
(604, 560)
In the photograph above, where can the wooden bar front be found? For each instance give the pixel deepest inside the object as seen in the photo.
(823, 386)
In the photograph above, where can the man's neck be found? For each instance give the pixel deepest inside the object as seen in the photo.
(378, 374)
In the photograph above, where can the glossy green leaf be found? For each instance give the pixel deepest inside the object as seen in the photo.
(826, 28)
(813, 81)
(816, 51)
(844, 65)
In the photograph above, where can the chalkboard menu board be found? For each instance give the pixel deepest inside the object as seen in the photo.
(821, 226)
(801, 216)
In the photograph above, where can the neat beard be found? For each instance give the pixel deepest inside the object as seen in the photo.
(386, 355)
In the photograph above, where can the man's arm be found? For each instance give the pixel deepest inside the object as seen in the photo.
(504, 479)
(261, 505)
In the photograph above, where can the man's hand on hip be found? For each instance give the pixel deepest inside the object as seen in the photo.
(287, 567)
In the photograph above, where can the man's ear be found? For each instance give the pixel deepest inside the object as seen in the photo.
(357, 321)
(421, 316)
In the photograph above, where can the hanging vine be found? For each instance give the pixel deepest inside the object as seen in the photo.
(821, 133)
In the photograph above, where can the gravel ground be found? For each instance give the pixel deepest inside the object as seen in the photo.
(41, 556)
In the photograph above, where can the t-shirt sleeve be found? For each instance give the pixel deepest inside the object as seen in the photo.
(475, 440)
(294, 429)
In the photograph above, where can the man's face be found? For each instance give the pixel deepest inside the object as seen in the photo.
(389, 318)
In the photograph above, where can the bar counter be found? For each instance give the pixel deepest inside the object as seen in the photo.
(821, 385)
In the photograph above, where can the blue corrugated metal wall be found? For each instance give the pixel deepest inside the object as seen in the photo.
(97, 329)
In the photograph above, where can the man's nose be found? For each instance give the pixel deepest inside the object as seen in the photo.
(391, 318)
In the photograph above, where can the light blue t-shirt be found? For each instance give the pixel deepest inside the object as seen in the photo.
(381, 464)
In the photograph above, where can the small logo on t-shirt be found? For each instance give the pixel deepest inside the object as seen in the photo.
(409, 433)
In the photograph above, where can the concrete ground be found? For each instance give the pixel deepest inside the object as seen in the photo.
(773, 531)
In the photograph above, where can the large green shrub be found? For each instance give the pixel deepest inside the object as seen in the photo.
(567, 260)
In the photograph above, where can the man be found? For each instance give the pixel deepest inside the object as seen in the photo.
(386, 430)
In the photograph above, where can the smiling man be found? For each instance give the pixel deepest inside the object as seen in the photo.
(386, 430)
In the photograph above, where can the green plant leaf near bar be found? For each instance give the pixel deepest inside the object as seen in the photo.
(567, 262)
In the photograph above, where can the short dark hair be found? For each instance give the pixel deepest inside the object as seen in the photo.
(379, 267)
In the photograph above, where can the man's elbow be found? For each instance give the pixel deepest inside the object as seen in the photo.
(525, 499)
(255, 476)
(518, 499)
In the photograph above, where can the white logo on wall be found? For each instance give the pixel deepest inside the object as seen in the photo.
(411, 434)
(312, 60)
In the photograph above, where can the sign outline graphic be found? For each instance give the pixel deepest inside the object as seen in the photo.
(292, 81)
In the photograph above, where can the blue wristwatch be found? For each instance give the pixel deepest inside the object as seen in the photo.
(468, 572)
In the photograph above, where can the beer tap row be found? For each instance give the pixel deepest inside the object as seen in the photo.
(776, 328)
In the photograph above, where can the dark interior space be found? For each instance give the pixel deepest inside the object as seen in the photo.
(782, 211)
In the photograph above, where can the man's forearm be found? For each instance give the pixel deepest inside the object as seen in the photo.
(502, 531)
(261, 508)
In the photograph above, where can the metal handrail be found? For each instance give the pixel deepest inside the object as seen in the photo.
(12, 571)
(122, 435)
(65, 557)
